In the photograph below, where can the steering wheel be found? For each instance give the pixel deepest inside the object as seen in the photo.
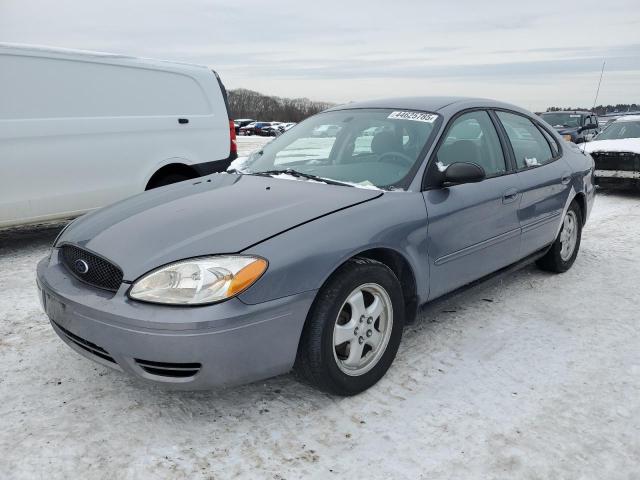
(397, 158)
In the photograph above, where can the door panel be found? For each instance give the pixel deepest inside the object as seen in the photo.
(545, 181)
(544, 196)
(473, 231)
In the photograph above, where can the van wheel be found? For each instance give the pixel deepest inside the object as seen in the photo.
(168, 180)
(564, 250)
(353, 330)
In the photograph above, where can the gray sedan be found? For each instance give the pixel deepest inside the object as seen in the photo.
(314, 252)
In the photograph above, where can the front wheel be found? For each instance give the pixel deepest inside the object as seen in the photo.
(564, 250)
(353, 330)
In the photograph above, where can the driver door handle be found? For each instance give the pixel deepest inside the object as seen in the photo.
(510, 195)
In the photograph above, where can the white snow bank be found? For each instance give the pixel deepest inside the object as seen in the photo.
(628, 118)
(622, 145)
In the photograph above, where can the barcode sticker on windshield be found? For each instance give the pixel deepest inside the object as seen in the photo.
(415, 116)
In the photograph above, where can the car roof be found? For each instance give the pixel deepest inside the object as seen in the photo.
(430, 104)
(628, 118)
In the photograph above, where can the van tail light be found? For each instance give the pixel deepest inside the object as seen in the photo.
(232, 133)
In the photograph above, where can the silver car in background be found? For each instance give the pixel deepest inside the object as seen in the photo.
(314, 252)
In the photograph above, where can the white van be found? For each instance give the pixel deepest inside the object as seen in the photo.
(79, 130)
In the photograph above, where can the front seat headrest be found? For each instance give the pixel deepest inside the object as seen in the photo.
(385, 142)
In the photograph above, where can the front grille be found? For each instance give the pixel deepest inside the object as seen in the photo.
(86, 345)
(624, 161)
(175, 370)
(90, 268)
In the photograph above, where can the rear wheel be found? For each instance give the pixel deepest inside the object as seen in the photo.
(168, 180)
(353, 330)
(564, 250)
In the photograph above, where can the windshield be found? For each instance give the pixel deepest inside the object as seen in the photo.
(366, 147)
(563, 119)
(619, 130)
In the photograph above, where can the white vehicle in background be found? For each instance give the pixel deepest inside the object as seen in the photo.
(616, 154)
(80, 130)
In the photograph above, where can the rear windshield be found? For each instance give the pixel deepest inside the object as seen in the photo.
(367, 147)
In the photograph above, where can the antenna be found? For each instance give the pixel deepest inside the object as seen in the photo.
(598, 89)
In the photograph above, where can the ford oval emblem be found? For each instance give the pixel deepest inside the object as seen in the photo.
(81, 266)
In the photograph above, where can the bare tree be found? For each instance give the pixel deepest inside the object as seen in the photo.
(603, 109)
(245, 103)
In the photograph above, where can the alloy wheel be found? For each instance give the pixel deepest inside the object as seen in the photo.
(362, 329)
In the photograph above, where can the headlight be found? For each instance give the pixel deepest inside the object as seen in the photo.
(199, 281)
(567, 138)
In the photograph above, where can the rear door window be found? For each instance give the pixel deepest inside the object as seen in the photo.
(530, 147)
(555, 148)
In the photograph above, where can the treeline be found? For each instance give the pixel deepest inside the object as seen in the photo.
(603, 109)
(245, 103)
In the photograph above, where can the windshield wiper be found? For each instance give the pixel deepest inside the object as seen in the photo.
(296, 173)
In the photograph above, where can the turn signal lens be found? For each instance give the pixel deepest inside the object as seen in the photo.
(247, 277)
(567, 137)
(199, 281)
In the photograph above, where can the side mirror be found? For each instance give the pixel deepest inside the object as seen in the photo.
(591, 126)
(463, 172)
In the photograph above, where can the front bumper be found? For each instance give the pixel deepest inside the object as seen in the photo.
(617, 169)
(617, 179)
(188, 348)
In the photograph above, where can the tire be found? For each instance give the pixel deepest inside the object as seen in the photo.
(168, 180)
(559, 261)
(328, 367)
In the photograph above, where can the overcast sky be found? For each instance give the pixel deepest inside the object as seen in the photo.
(532, 53)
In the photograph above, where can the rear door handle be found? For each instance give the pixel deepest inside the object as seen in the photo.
(510, 195)
(566, 178)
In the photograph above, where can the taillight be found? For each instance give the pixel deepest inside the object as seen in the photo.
(232, 133)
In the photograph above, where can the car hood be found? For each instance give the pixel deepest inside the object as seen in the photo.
(221, 213)
(566, 130)
(621, 145)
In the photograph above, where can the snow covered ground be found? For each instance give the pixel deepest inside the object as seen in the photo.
(246, 145)
(533, 376)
